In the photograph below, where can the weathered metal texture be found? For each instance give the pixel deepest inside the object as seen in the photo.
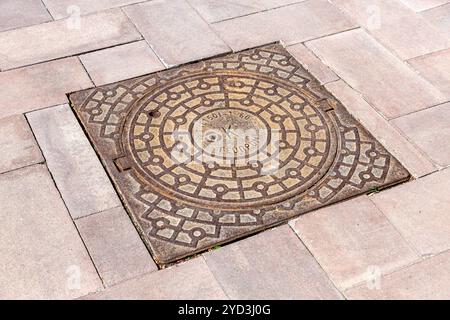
(324, 154)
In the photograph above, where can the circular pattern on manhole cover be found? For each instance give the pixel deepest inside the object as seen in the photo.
(160, 137)
(230, 140)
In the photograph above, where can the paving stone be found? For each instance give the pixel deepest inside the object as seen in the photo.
(435, 68)
(191, 280)
(324, 155)
(217, 10)
(121, 62)
(427, 280)
(63, 8)
(439, 17)
(21, 13)
(40, 86)
(114, 245)
(352, 240)
(416, 162)
(64, 38)
(429, 130)
(41, 253)
(419, 210)
(421, 5)
(271, 265)
(292, 24)
(73, 163)
(19, 149)
(313, 64)
(385, 81)
(395, 26)
(175, 31)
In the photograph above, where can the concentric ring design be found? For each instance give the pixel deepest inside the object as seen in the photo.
(169, 134)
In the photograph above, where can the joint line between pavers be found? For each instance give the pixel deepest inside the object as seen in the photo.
(416, 111)
(165, 64)
(433, 8)
(209, 26)
(422, 259)
(256, 12)
(67, 209)
(341, 292)
(48, 11)
(214, 276)
(318, 58)
(97, 212)
(304, 42)
(75, 55)
(23, 167)
(87, 72)
(389, 49)
(419, 150)
(410, 245)
(123, 203)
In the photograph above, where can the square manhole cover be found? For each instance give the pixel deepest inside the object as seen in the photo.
(209, 152)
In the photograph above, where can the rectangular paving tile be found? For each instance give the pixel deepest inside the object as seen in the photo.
(419, 210)
(65, 8)
(427, 280)
(41, 85)
(430, 131)
(175, 31)
(64, 38)
(435, 68)
(191, 280)
(217, 10)
(73, 163)
(313, 64)
(353, 240)
(386, 82)
(272, 265)
(20, 13)
(394, 141)
(41, 253)
(210, 152)
(395, 26)
(421, 5)
(121, 62)
(439, 17)
(292, 24)
(114, 245)
(19, 149)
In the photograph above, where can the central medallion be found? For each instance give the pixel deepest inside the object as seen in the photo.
(209, 152)
(227, 135)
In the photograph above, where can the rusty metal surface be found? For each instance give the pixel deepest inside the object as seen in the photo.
(185, 205)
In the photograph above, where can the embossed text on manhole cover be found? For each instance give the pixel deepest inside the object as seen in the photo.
(212, 151)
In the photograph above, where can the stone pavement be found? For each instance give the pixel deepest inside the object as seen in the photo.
(64, 233)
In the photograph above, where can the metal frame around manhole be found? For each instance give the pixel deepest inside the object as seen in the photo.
(184, 207)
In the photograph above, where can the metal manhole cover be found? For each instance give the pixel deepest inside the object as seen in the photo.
(212, 151)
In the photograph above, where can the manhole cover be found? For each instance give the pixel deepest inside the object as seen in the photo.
(212, 151)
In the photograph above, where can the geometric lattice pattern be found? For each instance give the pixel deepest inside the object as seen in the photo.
(181, 197)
